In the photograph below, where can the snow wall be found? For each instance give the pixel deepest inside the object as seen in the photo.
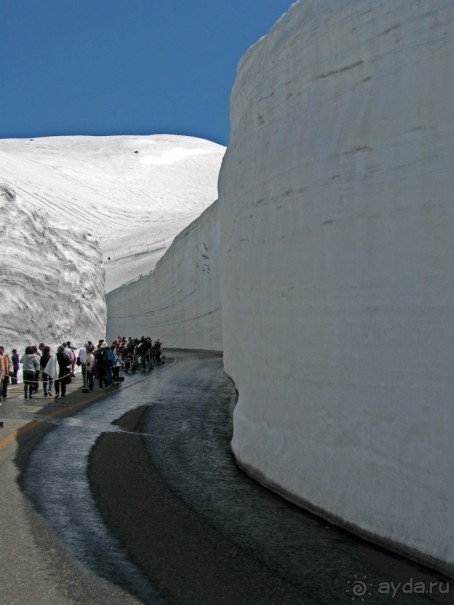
(336, 269)
(179, 302)
(337, 272)
(52, 279)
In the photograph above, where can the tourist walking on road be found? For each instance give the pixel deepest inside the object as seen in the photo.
(64, 372)
(118, 364)
(37, 353)
(47, 379)
(1, 370)
(15, 360)
(158, 351)
(6, 368)
(104, 366)
(81, 361)
(30, 369)
(90, 367)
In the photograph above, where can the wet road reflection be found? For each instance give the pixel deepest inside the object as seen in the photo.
(225, 523)
(56, 482)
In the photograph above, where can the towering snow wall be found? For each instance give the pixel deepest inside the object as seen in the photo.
(333, 241)
(52, 279)
(179, 302)
(337, 272)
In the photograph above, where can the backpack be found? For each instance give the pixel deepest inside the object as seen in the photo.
(105, 358)
(111, 358)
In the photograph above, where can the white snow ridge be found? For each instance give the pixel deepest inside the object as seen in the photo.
(74, 206)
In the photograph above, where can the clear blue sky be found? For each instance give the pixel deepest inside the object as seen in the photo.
(124, 66)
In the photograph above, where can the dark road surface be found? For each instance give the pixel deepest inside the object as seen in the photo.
(164, 515)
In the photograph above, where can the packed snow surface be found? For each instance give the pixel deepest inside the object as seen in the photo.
(132, 193)
(82, 215)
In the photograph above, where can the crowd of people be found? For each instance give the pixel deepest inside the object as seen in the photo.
(103, 363)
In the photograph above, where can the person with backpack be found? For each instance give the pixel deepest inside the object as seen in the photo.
(118, 363)
(69, 350)
(64, 372)
(104, 365)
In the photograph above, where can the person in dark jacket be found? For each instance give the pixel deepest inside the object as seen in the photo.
(15, 360)
(47, 380)
(64, 372)
(103, 366)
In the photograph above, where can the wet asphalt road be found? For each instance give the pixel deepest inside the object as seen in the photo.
(164, 515)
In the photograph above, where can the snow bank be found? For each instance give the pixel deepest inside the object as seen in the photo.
(333, 241)
(337, 273)
(179, 302)
(132, 193)
(125, 198)
(52, 279)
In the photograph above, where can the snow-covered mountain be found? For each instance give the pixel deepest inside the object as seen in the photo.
(75, 208)
(132, 193)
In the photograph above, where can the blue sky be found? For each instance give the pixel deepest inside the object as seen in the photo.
(124, 66)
